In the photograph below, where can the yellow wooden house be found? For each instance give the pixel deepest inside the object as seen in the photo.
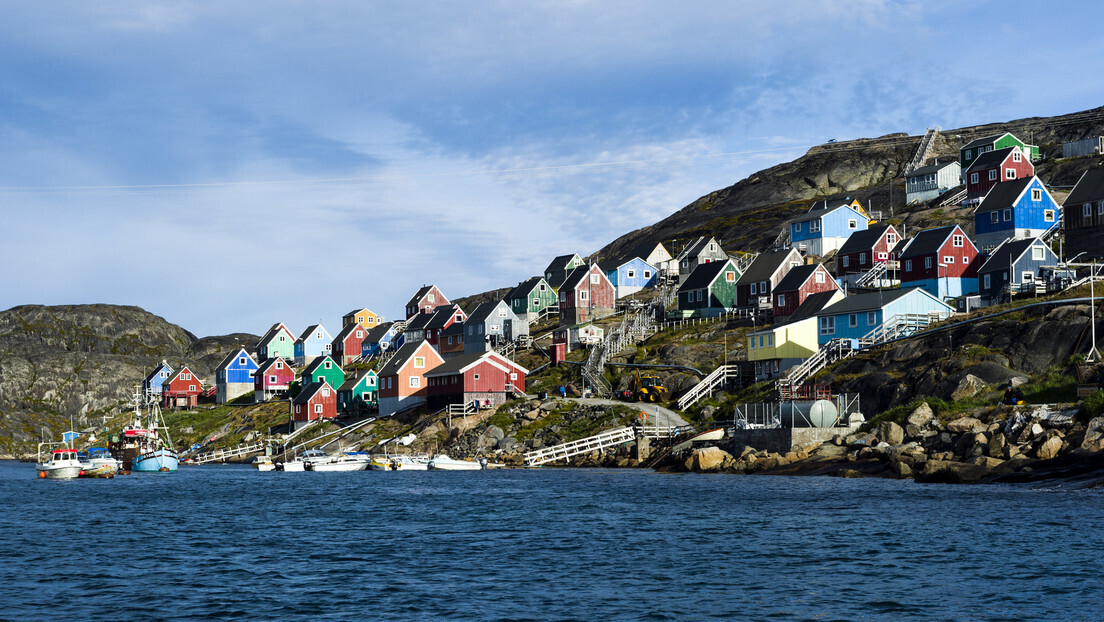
(364, 317)
(775, 349)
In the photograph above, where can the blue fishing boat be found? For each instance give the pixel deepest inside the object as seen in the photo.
(145, 445)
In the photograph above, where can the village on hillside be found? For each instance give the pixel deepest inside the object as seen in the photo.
(835, 281)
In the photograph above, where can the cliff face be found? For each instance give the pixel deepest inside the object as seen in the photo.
(749, 215)
(75, 361)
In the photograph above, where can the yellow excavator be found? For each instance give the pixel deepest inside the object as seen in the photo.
(647, 389)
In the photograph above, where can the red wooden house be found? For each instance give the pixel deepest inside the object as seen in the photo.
(485, 377)
(450, 341)
(425, 300)
(798, 284)
(864, 249)
(586, 294)
(993, 167)
(345, 347)
(943, 261)
(443, 317)
(272, 379)
(317, 400)
(181, 390)
(753, 288)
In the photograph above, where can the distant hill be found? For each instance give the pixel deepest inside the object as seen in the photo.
(76, 360)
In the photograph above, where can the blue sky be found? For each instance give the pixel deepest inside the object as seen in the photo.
(227, 165)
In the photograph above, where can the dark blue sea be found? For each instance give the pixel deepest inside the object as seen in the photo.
(227, 542)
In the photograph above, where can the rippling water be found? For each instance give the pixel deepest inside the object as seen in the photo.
(228, 542)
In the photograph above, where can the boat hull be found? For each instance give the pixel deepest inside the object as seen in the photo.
(60, 472)
(339, 466)
(156, 461)
(450, 464)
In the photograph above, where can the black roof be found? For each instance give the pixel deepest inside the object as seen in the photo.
(418, 322)
(560, 263)
(812, 305)
(990, 159)
(766, 264)
(482, 312)
(795, 278)
(984, 140)
(826, 207)
(1007, 253)
(928, 241)
(864, 240)
(316, 363)
(704, 275)
(353, 379)
(931, 168)
(1004, 194)
(401, 356)
(643, 250)
(418, 295)
(1089, 188)
(868, 301)
(272, 332)
(523, 288)
(377, 333)
(308, 392)
(310, 329)
(441, 316)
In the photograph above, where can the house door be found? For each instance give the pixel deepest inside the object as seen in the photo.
(508, 329)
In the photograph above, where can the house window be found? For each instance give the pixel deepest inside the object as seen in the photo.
(371, 381)
(891, 239)
(318, 335)
(1007, 215)
(699, 294)
(814, 226)
(781, 300)
(948, 259)
(751, 343)
(770, 340)
(883, 256)
(819, 276)
(1016, 157)
(583, 294)
(1036, 194)
(325, 391)
(536, 302)
(419, 362)
(852, 224)
(282, 338)
(828, 325)
(475, 376)
(845, 261)
(1086, 210)
(431, 298)
(712, 247)
(760, 341)
(908, 265)
(969, 154)
(563, 296)
(730, 277)
(1009, 173)
(450, 340)
(927, 263)
(502, 313)
(852, 320)
(754, 287)
(328, 365)
(994, 217)
(973, 178)
(279, 364)
(1048, 215)
(513, 375)
(762, 287)
(797, 227)
(647, 274)
(1037, 253)
(992, 174)
(630, 274)
(871, 318)
(594, 279)
(241, 360)
(415, 382)
(987, 281)
(1100, 208)
(862, 259)
(191, 387)
(272, 379)
(360, 334)
(958, 240)
(318, 408)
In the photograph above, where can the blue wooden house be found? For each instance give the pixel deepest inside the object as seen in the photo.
(490, 325)
(858, 318)
(629, 275)
(1013, 267)
(313, 343)
(826, 226)
(382, 338)
(234, 376)
(1016, 210)
(152, 383)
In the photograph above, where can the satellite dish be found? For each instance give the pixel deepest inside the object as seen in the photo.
(823, 414)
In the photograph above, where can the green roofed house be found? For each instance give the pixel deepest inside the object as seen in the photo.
(709, 290)
(322, 369)
(556, 272)
(969, 153)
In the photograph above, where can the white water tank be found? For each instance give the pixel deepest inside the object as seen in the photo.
(823, 414)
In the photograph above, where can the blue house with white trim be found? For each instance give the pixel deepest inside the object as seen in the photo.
(314, 342)
(858, 317)
(1014, 210)
(1016, 263)
(234, 376)
(152, 383)
(629, 275)
(383, 338)
(826, 226)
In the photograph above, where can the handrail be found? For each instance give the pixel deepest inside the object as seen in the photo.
(609, 438)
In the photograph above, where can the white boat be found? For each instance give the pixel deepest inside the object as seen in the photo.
(441, 462)
(264, 463)
(383, 463)
(340, 462)
(410, 463)
(299, 463)
(708, 435)
(62, 463)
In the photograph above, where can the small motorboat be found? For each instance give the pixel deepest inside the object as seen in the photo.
(411, 463)
(340, 462)
(264, 463)
(299, 463)
(62, 463)
(441, 462)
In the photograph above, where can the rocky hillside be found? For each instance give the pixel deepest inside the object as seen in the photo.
(76, 361)
(748, 215)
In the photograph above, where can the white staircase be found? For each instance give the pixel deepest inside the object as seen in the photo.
(230, 452)
(707, 385)
(609, 438)
(953, 199)
(922, 152)
(872, 275)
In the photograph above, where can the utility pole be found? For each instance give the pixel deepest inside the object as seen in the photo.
(1094, 355)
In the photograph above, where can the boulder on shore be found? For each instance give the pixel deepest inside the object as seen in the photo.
(707, 460)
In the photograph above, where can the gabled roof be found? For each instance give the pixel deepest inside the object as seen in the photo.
(418, 322)
(865, 240)
(157, 370)
(309, 392)
(1004, 194)
(698, 246)
(269, 362)
(275, 330)
(869, 301)
(378, 332)
(316, 363)
(417, 297)
(402, 357)
(796, 277)
(441, 316)
(991, 159)
(310, 330)
(929, 241)
(462, 363)
(826, 207)
(1008, 253)
(645, 250)
(704, 275)
(483, 312)
(1090, 188)
(354, 379)
(233, 356)
(578, 275)
(523, 288)
(456, 328)
(809, 308)
(560, 263)
(347, 330)
(766, 264)
(984, 140)
(356, 311)
(932, 168)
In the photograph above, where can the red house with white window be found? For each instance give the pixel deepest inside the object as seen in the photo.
(993, 167)
(586, 294)
(866, 249)
(487, 378)
(181, 390)
(942, 261)
(425, 300)
(345, 347)
(272, 379)
(798, 284)
(317, 400)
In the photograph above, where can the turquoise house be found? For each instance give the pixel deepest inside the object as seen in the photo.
(859, 318)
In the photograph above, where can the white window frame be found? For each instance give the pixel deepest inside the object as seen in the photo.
(819, 276)
(987, 281)
(958, 241)
(973, 178)
(828, 325)
(948, 259)
(630, 274)
(871, 318)
(852, 223)
(927, 263)
(846, 261)
(992, 174)
(415, 382)
(1037, 253)
(1009, 173)
(318, 409)
(1048, 215)
(781, 300)
(1016, 156)
(852, 320)
(754, 288)
(1036, 194)
(419, 362)
(1008, 215)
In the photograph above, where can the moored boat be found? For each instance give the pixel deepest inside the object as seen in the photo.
(145, 445)
(264, 463)
(441, 462)
(339, 462)
(63, 463)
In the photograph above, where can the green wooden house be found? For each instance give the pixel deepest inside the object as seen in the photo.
(969, 153)
(709, 290)
(530, 297)
(322, 368)
(359, 392)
